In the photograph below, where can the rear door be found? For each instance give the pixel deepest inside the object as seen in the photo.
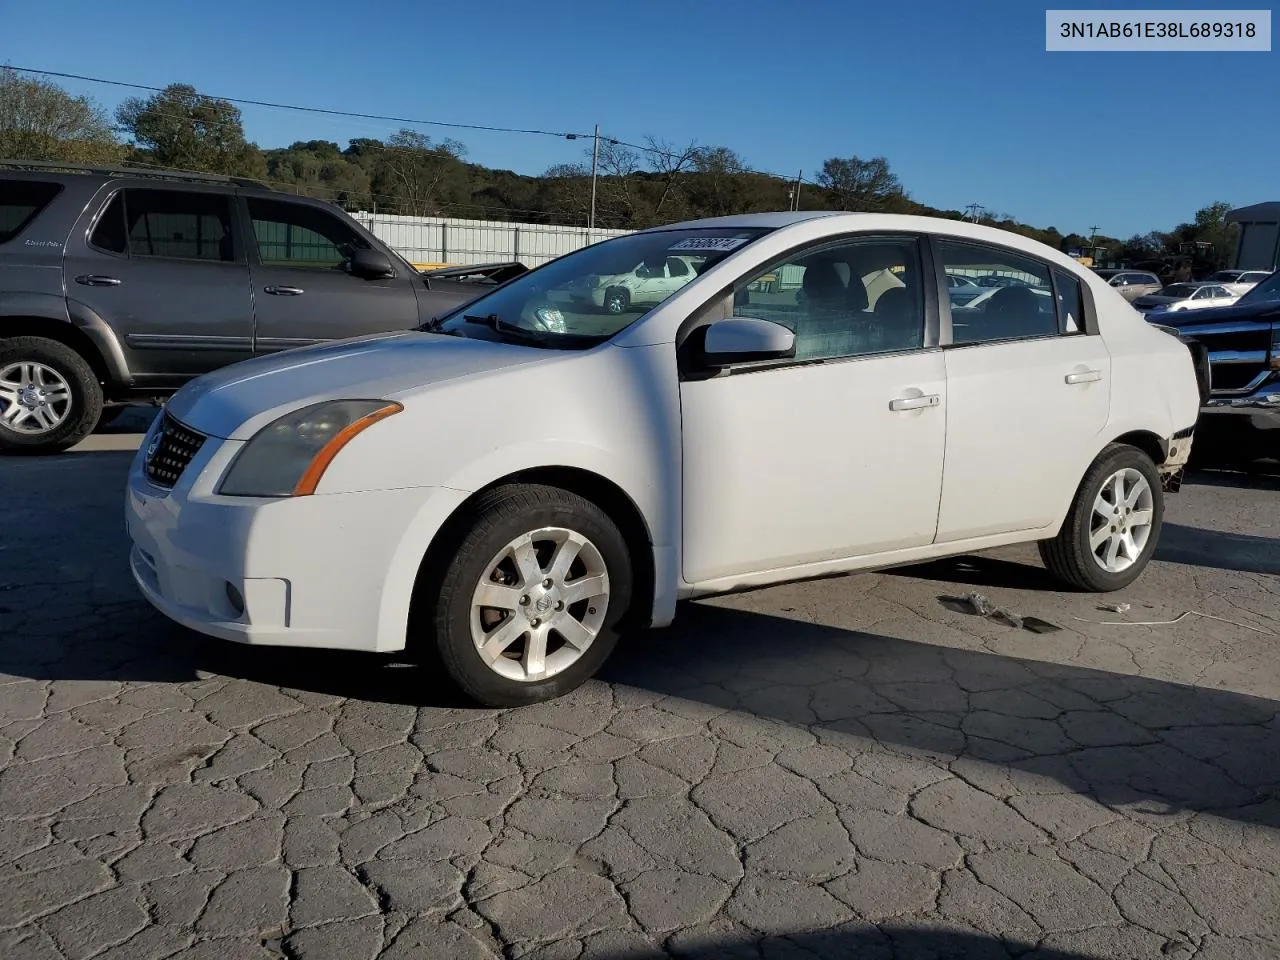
(165, 267)
(302, 294)
(1028, 388)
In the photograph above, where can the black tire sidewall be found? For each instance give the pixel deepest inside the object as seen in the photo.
(1092, 573)
(86, 395)
(490, 532)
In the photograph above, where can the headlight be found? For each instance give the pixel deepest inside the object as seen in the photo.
(550, 319)
(288, 456)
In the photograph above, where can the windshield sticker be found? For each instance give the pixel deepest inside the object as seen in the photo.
(718, 244)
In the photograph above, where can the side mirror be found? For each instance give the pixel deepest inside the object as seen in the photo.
(747, 340)
(370, 264)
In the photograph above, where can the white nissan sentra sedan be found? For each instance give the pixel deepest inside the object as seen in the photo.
(532, 476)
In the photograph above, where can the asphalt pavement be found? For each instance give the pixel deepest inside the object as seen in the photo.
(853, 767)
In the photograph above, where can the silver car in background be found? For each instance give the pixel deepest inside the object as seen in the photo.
(1131, 284)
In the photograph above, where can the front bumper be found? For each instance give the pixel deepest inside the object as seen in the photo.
(333, 571)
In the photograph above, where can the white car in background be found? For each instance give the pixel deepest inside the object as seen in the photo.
(645, 284)
(509, 499)
(1239, 282)
(1186, 296)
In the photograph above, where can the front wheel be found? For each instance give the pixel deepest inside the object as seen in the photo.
(528, 606)
(1113, 525)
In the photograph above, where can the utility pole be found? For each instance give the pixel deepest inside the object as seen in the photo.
(794, 193)
(973, 209)
(1093, 232)
(595, 159)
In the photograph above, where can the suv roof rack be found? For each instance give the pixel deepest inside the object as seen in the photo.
(159, 173)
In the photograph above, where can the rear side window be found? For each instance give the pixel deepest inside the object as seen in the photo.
(167, 224)
(1070, 302)
(21, 202)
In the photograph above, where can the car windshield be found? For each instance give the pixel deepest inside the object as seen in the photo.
(1265, 291)
(1225, 276)
(594, 293)
(1180, 290)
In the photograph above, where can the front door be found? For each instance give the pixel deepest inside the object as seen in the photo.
(835, 455)
(165, 269)
(301, 293)
(1029, 392)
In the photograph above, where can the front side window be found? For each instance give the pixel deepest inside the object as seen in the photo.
(21, 202)
(299, 235)
(594, 293)
(853, 298)
(1022, 307)
(177, 225)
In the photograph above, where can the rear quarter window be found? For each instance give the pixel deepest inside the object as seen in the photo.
(21, 202)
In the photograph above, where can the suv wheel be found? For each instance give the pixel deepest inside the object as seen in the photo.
(50, 398)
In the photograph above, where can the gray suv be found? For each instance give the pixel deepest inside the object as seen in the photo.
(119, 285)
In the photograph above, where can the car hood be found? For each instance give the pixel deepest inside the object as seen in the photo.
(1262, 312)
(234, 402)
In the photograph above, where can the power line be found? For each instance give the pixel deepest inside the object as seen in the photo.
(562, 135)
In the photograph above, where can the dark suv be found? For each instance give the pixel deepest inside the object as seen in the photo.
(119, 285)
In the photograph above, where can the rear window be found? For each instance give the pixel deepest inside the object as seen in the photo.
(21, 202)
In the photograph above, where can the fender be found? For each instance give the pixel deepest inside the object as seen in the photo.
(25, 303)
(86, 320)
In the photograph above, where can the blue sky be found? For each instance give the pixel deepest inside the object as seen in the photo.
(963, 100)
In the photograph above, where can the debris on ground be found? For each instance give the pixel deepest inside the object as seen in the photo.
(1169, 623)
(976, 604)
(1116, 607)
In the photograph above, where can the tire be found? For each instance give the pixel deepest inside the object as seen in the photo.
(500, 517)
(616, 300)
(1070, 557)
(57, 366)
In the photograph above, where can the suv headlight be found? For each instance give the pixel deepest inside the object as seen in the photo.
(288, 456)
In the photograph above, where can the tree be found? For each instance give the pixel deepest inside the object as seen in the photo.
(413, 168)
(1211, 226)
(865, 185)
(720, 187)
(41, 121)
(182, 128)
(670, 163)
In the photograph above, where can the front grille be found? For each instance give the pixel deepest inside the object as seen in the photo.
(176, 445)
(1235, 376)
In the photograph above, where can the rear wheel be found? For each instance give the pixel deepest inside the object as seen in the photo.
(528, 606)
(1113, 525)
(616, 300)
(50, 398)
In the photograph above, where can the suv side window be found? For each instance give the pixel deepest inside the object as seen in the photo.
(174, 224)
(848, 299)
(21, 202)
(1022, 310)
(298, 235)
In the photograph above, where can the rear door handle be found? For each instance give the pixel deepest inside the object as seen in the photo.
(915, 403)
(95, 280)
(283, 291)
(1084, 376)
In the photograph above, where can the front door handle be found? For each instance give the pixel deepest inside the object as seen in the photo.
(96, 280)
(915, 403)
(1085, 376)
(283, 291)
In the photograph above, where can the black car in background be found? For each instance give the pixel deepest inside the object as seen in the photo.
(1240, 420)
(119, 285)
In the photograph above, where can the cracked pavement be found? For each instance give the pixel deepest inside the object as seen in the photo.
(838, 768)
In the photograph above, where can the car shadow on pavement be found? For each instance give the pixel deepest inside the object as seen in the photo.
(1169, 747)
(879, 942)
(1214, 548)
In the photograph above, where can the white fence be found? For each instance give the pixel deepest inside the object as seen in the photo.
(450, 240)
